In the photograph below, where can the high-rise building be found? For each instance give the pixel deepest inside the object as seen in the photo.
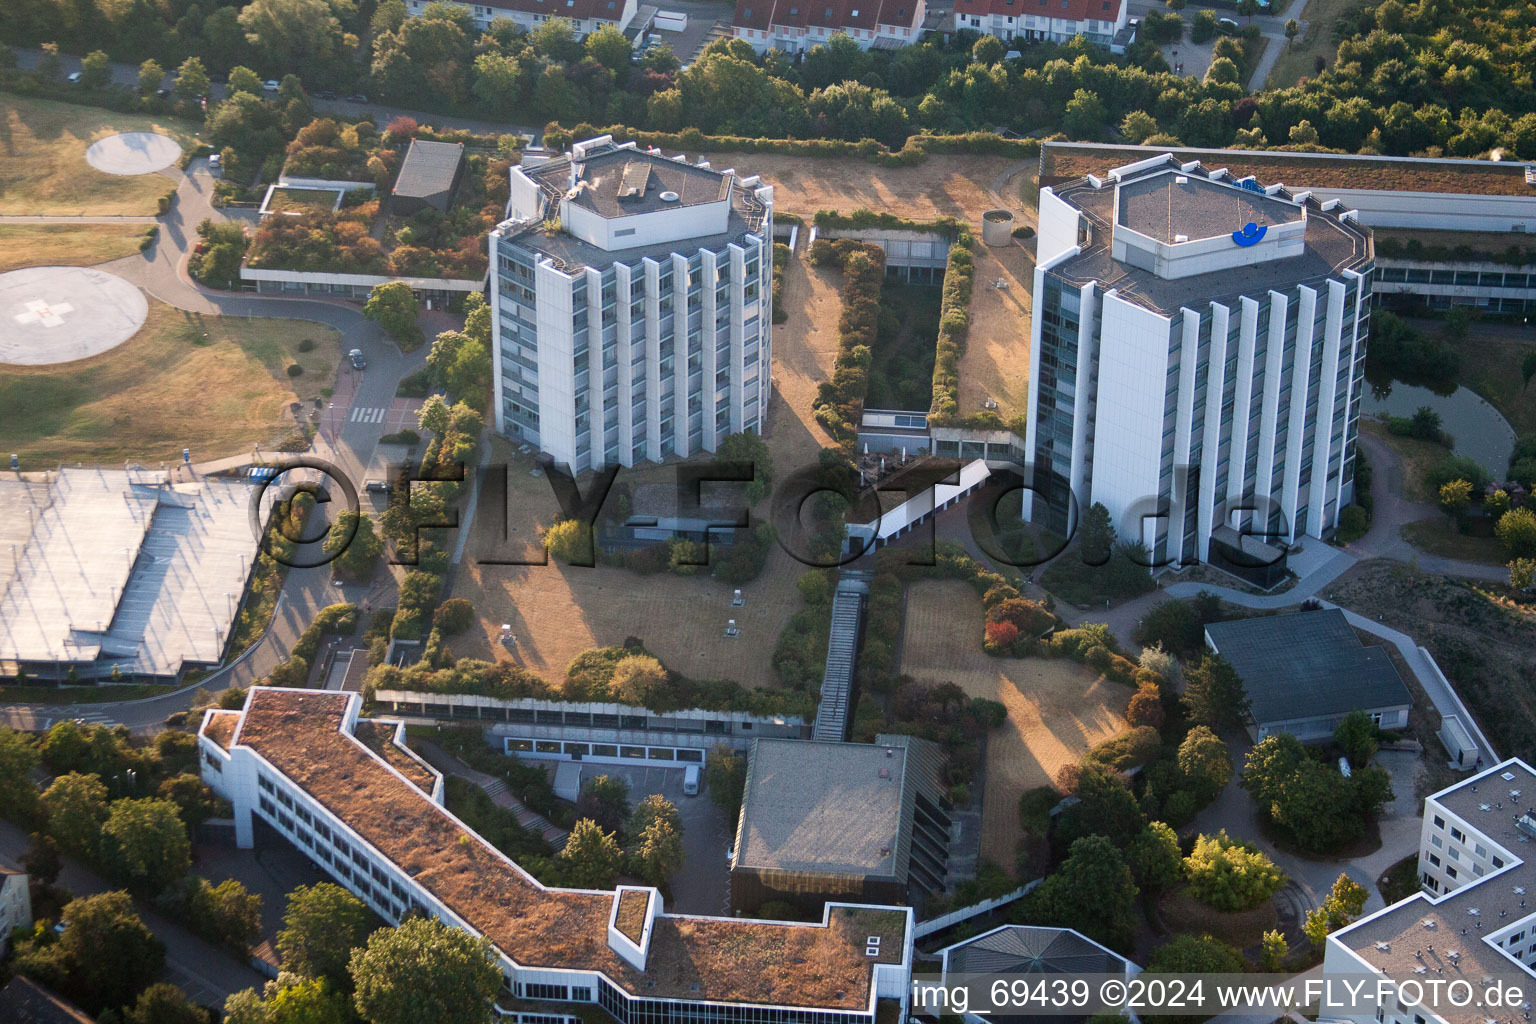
(1197, 357)
(633, 301)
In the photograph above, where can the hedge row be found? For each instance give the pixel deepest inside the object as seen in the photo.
(1414, 249)
(839, 404)
(915, 150)
(954, 322)
(862, 219)
(780, 262)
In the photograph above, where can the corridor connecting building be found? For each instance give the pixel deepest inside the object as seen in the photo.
(632, 297)
(1197, 357)
(349, 794)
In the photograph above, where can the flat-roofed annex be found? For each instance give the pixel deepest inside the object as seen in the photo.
(303, 735)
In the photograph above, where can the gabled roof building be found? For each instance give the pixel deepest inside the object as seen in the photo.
(794, 26)
(585, 16)
(1053, 21)
(365, 810)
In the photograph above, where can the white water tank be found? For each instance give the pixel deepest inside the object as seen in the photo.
(997, 227)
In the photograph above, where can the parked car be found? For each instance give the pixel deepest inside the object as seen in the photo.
(270, 85)
(74, 77)
(1226, 26)
(357, 360)
(325, 94)
(357, 97)
(215, 164)
(164, 94)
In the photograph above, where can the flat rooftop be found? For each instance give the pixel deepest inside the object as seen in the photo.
(125, 565)
(1065, 161)
(302, 734)
(1415, 938)
(1330, 246)
(1307, 665)
(1167, 205)
(824, 807)
(625, 182)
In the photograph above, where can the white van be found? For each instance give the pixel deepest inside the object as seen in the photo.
(691, 780)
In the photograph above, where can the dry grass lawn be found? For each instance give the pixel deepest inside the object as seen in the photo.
(558, 611)
(940, 186)
(1057, 709)
(66, 245)
(218, 381)
(1418, 458)
(804, 348)
(996, 360)
(42, 160)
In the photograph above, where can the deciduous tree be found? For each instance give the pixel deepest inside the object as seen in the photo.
(322, 924)
(425, 970)
(591, 857)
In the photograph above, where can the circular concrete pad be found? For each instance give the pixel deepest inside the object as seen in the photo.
(60, 314)
(133, 153)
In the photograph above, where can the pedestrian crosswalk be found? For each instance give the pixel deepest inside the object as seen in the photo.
(363, 414)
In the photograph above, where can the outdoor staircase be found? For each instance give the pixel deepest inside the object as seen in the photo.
(720, 31)
(832, 713)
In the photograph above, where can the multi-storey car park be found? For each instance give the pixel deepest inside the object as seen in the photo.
(632, 303)
(1197, 356)
(347, 793)
(1473, 920)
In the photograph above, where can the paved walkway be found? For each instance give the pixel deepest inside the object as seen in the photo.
(495, 788)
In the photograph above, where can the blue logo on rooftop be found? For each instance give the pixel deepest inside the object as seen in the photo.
(1251, 185)
(1249, 234)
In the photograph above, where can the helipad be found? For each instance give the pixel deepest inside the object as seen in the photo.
(60, 314)
(133, 153)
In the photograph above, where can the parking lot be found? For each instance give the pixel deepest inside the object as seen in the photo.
(703, 886)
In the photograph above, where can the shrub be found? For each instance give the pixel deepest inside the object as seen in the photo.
(1231, 875)
(1353, 524)
(307, 345)
(454, 616)
(295, 370)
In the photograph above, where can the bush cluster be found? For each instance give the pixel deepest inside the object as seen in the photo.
(839, 404)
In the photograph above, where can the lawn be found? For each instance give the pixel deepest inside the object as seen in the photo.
(1298, 59)
(995, 363)
(42, 160)
(67, 245)
(1057, 709)
(1437, 535)
(557, 611)
(1418, 458)
(901, 366)
(219, 383)
(1485, 648)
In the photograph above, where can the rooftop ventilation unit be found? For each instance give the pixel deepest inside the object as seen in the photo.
(1180, 180)
(1181, 238)
(1525, 823)
(669, 197)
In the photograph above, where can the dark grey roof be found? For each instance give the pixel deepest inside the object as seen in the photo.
(1168, 204)
(26, 1002)
(429, 169)
(1307, 665)
(1024, 949)
(1330, 247)
(835, 808)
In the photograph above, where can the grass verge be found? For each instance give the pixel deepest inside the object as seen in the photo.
(67, 245)
(1439, 536)
(219, 382)
(42, 160)
(84, 694)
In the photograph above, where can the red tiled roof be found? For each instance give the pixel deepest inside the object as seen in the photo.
(833, 14)
(1063, 10)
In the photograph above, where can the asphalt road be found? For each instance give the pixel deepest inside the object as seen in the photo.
(206, 973)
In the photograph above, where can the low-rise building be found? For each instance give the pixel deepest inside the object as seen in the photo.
(585, 16)
(1052, 21)
(371, 816)
(1473, 918)
(825, 821)
(24, 1001)
(1040, 952)
(1305, 671)
(428, 177)
(15, 904)
(794, 26)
